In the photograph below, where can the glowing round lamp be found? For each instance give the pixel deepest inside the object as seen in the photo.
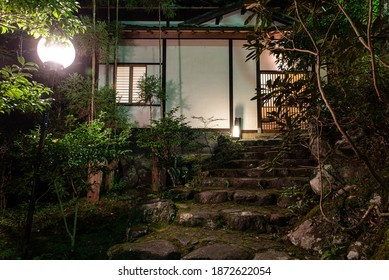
(56, 54)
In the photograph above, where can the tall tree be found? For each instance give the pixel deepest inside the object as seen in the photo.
(348, 39)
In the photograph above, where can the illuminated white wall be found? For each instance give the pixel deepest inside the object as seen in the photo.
(103, 76)
(140, 115)
(198, 80)
(136, 51)
(244, 74)
(139, 51)
(268, 62)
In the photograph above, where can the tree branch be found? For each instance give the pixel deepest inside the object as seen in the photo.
(332, 112)
(293, 49)
(371, 50)
(305, 27)
(360, 38)
(368, 45)
(344, 133)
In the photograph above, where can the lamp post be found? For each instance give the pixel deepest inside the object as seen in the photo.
(55, 56)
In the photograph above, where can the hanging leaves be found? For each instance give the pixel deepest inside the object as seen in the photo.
(18, 92)
(55, 19)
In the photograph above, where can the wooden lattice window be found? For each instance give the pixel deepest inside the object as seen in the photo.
(127, 79)
(269, 105)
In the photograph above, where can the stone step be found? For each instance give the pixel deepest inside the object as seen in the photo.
(227, 215)
(245, 197)
(260, 143)
(254, 183)
(294, 154)
(259, 172)
(272, 154)
(253, 163)
(274, 148)
(254, 155)
(205, 244)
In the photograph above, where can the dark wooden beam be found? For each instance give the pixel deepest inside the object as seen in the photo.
(231, 81)
(185, 33)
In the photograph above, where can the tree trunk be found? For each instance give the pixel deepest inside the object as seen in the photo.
(95, 180)
(3, 201)
(155, 186)
(158, 176)
(92, 105)
(109, 179)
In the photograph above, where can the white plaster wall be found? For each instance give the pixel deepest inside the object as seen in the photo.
(139, 51)
(102, 79)
(198, 80)
(244, 87)
(140, 115)
(268, 62)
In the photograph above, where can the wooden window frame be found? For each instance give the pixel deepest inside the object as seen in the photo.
(131, 85)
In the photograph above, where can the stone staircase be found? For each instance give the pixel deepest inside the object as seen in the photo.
(244, 195)
(235, 212)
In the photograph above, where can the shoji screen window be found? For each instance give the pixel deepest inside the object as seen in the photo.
(127, 79)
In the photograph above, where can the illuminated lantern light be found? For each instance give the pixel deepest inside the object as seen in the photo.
(236, 131)
(56, 54)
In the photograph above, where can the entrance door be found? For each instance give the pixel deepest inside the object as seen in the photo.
(267, 122)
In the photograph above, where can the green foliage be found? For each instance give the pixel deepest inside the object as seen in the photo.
(167, 138)
(105, 105)
(226, 150)
(207, 136)
(88, 144)
(150, 89)
(50, 18)
(333, 253)
(96, 37)
(20, 160)
(163, 5)
(383, 249)
(286, 92)
(68, 158)
(76, 93)
(326, 23)
(18, 92)
(102, 225)
(300, 198)
(355, 74)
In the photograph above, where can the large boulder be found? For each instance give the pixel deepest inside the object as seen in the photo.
(272, 255)
(218, 251)
(152, 250)
(156, 211)
(317, 234)
(320, 147)
(304, 236)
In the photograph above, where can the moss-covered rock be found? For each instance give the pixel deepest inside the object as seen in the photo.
(152, 250)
